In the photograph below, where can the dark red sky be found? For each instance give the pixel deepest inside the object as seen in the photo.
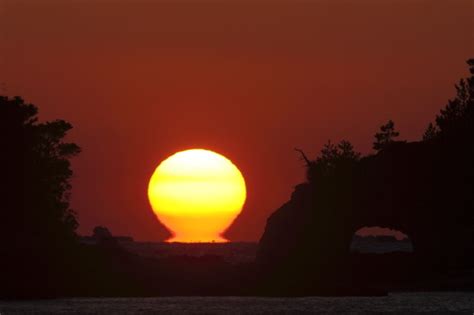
(140, 80)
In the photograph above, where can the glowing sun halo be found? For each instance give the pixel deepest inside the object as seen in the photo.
(197, 194)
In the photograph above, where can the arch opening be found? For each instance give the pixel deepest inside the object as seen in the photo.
(379, 240)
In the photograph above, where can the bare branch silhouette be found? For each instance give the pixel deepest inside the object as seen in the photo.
(303, 155)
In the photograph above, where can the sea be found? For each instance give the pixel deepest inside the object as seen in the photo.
(394, 303)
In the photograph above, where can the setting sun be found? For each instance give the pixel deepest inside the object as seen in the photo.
(197, 194)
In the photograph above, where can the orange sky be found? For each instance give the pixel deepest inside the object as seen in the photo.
(251, 80)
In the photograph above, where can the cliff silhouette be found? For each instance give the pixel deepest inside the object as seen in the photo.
(424, 189)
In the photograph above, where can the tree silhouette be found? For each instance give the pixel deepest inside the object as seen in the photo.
(347, 152)
(385, 136)
(459, 112)
(37, 225)
(456, 118)
(36, 163)
(431, 132)
(332, 156)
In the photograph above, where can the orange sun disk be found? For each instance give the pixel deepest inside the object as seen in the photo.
(197, 194)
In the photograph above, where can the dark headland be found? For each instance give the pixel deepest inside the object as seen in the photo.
(424, 189)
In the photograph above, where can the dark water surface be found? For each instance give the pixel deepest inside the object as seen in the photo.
(396, 303)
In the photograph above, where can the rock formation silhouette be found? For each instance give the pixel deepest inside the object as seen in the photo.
(424, 189)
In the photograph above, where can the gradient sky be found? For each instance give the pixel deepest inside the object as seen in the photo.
(140, 80)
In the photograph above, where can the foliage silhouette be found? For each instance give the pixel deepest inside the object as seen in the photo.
(36, 161)
(431, 132)
(386, 136)
(37, 222)
(332, 157)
